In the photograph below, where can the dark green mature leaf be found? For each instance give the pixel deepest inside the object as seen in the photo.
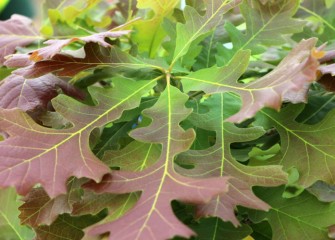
(216, 229)
(152, 216)
(282, 83)
(10, 227)
(217, 161)
(295, 218)
(22, 169)
(15, 32)
(309, 148)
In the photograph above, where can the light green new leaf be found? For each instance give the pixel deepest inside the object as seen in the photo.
(150, 33)
(10, 228)
(64, 16)
(197, 25)
(302, 217)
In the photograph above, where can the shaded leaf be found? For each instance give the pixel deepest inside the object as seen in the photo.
(324, 192)
(39, 209)
(136, 156)
(117, 204)
(216, 229)
(294, 218)
(66, 227)
(152, 216)
(15, 32)
(282, 83)
(41, 151)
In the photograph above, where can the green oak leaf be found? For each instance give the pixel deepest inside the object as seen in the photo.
(308, 148)
(295, 218)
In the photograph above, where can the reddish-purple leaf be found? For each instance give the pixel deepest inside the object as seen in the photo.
(34, 154)
(67, 65)
(29, 94)
(152, 217)
(18, 31)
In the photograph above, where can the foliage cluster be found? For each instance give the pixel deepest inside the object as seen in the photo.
(168, 119)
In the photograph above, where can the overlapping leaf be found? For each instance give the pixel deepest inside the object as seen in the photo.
(266, 25)
(308, 148)
(197, 25)
(55, 46)
(68, 17)
(269, 91)
(16, 32)
(95, 56)
(29, 95)
(295, 218)
(152, 216)
(218, 161)
(49, 156)
(39, 209)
